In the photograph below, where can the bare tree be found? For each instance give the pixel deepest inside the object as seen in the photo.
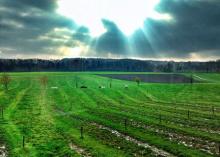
(44, 81)
(137, 80)
(5, 80)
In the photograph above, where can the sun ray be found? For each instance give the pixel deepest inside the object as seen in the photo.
(90, 13)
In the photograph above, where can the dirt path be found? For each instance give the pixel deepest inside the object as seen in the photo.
(186, 140)
(155, 150)
(82, 152)
(3, 151)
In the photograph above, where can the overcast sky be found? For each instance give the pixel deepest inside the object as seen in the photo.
(145, 29)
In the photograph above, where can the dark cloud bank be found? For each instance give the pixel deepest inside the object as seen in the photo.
(26, 26)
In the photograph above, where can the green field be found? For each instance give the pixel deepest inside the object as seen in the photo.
(145, 120)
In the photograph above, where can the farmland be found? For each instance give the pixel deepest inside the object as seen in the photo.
(92, 114)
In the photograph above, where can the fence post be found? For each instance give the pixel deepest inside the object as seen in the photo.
(2, 109)
(125, 123)
(213, 110)
(219, 149)
(188, 114)
(23, 142)
(81, 132)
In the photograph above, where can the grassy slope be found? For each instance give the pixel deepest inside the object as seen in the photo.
(53, 117)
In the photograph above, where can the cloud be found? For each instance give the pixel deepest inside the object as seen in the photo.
(34, 28)
(112, 41)
(30, 27)
(195, 27)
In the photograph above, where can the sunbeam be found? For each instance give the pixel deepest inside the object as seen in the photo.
(127, 14)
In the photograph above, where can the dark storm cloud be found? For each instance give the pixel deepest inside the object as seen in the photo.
(195, 27)
(25, 26)
(33, 27)
(47, 5)
(82, 35)
(113, 41)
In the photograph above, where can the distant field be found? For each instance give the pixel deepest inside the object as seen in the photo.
(89, 114)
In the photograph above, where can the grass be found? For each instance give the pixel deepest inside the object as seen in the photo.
(50, 118)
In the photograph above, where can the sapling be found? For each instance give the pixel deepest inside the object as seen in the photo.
(5, 80)
(44, 81)
(137, 80)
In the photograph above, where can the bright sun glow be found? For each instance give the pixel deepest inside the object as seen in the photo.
(127, 14)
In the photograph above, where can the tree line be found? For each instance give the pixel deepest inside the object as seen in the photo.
(95, 64)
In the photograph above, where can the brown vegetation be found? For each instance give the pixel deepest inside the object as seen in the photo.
(5, 80)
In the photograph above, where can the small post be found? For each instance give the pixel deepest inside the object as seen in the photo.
(125, 123)
(160, 117)
(110, 83)
(213, 110)
(219, 149)
(188, 114)
(191, 79)
(81, 132)
(23, 143)
(2, 109)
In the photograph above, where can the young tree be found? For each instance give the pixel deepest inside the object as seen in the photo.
(137, 80)
(44, 81)
(5, 80)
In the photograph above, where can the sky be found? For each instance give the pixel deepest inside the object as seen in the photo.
(179, 30)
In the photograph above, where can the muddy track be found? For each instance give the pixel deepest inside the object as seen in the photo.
(187, 140)
(155, 150)
(82, 152)
(3, 151)
(174, 121)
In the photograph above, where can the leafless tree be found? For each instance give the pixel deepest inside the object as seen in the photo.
(44, 81)
(137, 80)
(5, 80)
